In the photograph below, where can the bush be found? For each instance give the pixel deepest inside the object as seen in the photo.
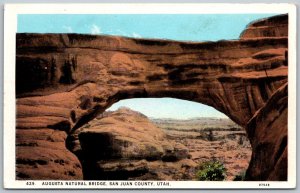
(211, 171)
(240, 176)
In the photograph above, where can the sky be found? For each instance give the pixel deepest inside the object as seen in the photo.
(168, 108)
(187, 27)
(182, 27)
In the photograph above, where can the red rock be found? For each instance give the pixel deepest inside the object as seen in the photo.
(237, 77)
(267, 131)
(276, 26)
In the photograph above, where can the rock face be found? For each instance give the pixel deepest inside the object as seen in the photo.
(265, 28)
(268, 129)
(42, 155)
(66, 80)
(120, 144)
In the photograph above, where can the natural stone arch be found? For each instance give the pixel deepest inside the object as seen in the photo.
(238, 78)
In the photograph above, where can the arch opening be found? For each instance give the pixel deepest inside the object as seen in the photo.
(160, 139)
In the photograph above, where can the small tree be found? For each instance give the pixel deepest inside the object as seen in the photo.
(211, 171)
(210, 136)
(240, 176)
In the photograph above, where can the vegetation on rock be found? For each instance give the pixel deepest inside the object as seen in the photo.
(211, 171)
(240, 176)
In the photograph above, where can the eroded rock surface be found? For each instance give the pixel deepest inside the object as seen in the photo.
(42, 155)
(267, 131)
(66, 80)
(120, 144)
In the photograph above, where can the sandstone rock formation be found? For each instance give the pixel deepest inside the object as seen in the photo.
(42, 155)
(119, 145)
(66, 80)
(265, 28)
(268, 131)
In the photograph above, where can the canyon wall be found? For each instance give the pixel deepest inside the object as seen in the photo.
(65, 80)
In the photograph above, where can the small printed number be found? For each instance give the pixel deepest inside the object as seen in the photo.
(29, 183)
(264, 184)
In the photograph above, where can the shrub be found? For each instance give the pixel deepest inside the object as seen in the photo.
(240, 176)
(211, 171)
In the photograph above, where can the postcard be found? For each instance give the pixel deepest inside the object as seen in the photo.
(150, 96)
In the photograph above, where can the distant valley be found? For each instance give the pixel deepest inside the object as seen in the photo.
(211, 139)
